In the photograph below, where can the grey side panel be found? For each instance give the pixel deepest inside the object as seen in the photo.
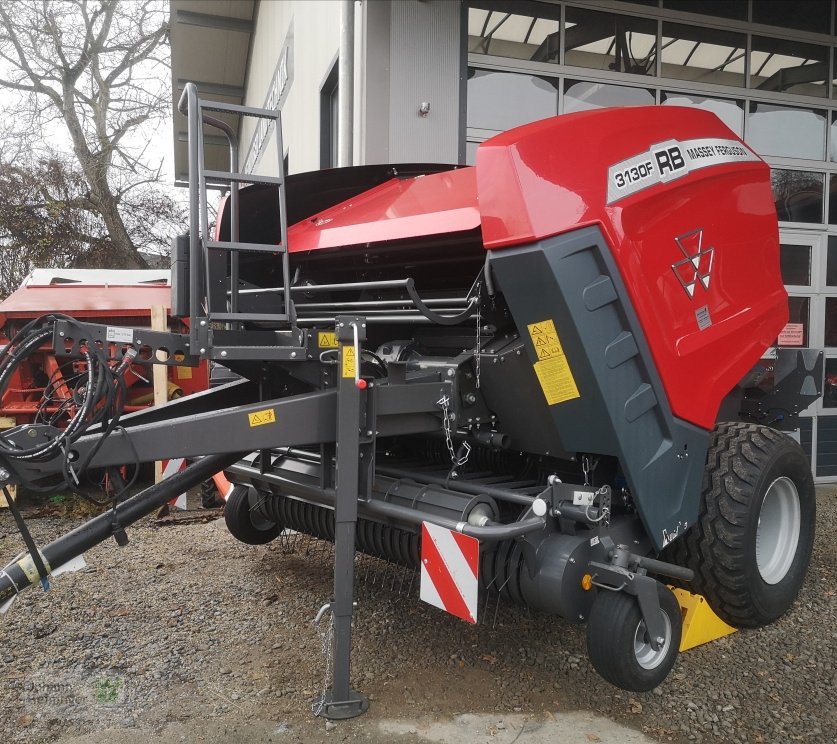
(622, 409)
(425, 61)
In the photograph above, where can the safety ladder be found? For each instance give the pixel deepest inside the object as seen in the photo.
(214, 299)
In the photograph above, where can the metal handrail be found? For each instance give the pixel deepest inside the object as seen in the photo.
(195, 110)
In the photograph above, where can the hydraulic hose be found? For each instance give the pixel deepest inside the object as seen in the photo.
(19, 574)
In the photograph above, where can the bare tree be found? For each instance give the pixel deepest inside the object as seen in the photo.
(91, 69)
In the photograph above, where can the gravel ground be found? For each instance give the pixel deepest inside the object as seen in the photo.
(190, 635)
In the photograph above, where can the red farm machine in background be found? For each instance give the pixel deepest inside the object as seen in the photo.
(540, 376)
(46, 389)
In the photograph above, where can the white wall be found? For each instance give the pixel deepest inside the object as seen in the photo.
(316, 38)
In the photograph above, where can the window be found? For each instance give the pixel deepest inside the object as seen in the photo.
(736, 9)
(490, 95)
(329, 152)
(530, 32)
(806, 15)
(786, 131)
(607, 41)
(787, 66)
(795, 262)
(799, 315)
(831, 262)
(728, 111)
(582, 96)
(798, 195)
(705, 55)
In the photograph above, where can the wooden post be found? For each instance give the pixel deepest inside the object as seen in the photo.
(159, 322)
(7, 422)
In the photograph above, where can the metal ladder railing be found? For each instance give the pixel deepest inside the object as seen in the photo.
(204, 300)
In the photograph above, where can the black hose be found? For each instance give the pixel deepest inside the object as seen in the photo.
(14, 579)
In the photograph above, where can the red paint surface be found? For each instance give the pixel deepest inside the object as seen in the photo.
(85, 300)
(550, 177)
(437, 204)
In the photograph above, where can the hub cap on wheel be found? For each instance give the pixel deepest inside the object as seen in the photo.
(646, 656)
(777, 534)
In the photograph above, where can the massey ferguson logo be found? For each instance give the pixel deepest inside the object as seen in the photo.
(696, 266)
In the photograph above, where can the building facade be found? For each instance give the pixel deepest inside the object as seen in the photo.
(434, 78)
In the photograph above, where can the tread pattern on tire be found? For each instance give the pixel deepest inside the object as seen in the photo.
(613, 621)
(715, 547)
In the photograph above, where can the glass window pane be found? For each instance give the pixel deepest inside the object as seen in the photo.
(831, 321)
(490, 95)
(704, 55)
(832, 200)
(795, 333)
(728, 111)
(532, 32)
(834, 78)
(831, 262)
(795, 262)
(797, 194)
(607, 41)
(728, 9)
(786, 66)
(582, 96)
(785, 131)
(807, 15)
(829, 390)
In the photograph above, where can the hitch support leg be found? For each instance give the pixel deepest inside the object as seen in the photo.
(341, 701)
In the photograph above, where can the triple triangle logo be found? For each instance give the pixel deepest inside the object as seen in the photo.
(696, 267)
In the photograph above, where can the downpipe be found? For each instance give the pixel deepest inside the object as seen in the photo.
(21, 573)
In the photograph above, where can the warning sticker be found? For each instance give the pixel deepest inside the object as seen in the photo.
(327, 339)
(552, 367)
(545, 340)
(349, 361)
(556, 380)
(184, 373)
(260, 418)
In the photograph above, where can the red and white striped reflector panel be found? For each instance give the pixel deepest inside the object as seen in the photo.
(170, 467)
(449, 569)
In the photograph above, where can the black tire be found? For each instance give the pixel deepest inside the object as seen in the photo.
(210, 498)
(618, 644)
(746, 560)
(240, 521)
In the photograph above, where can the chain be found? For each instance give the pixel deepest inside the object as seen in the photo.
(327, 640)
(478, 349)
(603, 494)
(444, 403)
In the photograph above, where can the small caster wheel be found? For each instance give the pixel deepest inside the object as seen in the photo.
(244, 525)
(618, 643)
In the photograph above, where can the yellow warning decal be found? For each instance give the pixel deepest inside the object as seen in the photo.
(545, 340)
(349, 361)
(552, 368)
(556, 380)
(327, 339)
(183, 373)
(260, 418)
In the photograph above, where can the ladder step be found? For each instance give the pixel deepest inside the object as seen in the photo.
(226, 176)
(225, 245)
(232, 108)
(241, 317)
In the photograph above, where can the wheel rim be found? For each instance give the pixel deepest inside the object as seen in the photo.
(645, 654)
(777, 534)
